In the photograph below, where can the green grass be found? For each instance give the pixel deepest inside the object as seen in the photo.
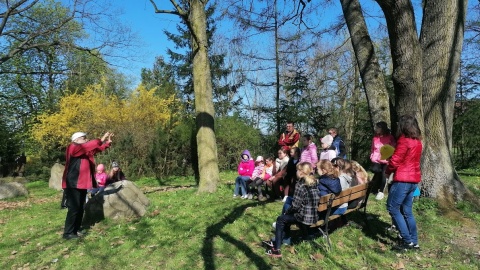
(187, 230)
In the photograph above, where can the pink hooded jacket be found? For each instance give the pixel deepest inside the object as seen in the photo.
(377, 143)
(246, 166)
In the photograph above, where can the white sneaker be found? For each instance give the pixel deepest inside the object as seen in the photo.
(250, 196)
(285, 199)
(244, 196)
(379, 196)
(274, 225)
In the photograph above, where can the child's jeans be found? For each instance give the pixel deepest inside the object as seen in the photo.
(258, 183)
(240, 183)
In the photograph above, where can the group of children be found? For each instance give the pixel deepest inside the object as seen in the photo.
(253, 175)
(337, 174)
(103, 179)
(330, 177)
(278, 176)
(303, 176)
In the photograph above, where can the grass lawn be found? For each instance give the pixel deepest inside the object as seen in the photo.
(186, 230)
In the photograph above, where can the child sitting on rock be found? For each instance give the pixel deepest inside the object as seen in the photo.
(115, 174)
(101, 178)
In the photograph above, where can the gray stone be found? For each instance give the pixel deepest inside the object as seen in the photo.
(118, 201)
(12, 190)
(10, 179)
(56, 174)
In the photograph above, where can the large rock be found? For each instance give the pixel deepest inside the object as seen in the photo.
(10, 179)
(12, 190)
(56, 174)
(119, 200)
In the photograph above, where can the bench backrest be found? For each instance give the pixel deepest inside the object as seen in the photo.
(345, 196)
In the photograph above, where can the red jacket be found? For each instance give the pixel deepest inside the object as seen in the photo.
(80, 164)
(405, 162)
(289, 140)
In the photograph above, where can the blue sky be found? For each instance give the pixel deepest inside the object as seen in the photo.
(139, 15)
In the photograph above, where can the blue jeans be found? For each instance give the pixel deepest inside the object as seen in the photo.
(282, 228)
(241, 183)
(399, 205)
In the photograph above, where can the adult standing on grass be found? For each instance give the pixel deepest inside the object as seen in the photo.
(289, 138)
(405, 165)
(338, 143)
(78, 177)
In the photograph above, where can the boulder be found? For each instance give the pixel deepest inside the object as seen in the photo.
(56, 174)
(119, 200)
(10, 179)
(12, 190)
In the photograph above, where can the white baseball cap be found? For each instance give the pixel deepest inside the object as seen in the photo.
(77, 135)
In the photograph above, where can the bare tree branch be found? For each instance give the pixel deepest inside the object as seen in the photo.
(13, 11)
(178, 10)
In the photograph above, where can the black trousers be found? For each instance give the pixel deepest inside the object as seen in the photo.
(379, 178)
(75, 203)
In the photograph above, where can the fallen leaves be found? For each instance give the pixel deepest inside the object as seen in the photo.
(291, 249)
(155, 213)
(398, 266)
(317, 257)
(382, 246)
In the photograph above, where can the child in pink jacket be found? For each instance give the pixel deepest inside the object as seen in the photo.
(245, 171)
(101, 178)
(382, 137)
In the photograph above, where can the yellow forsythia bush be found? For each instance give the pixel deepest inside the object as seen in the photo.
(95, 112)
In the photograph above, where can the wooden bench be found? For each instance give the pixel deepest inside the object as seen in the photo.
(330, 201)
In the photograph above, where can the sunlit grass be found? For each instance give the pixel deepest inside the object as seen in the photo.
(187, 230)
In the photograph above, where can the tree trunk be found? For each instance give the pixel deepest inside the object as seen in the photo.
(441, 40)
(406, 56)
(202, 85)
(370, 72)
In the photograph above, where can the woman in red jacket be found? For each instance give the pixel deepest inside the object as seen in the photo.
(78, 177)
(405, 165)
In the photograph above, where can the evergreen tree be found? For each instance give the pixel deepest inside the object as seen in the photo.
(181, 66)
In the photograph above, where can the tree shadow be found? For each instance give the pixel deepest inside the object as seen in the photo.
(215, 230)
(372, 226)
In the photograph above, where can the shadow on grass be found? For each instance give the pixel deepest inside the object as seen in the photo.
(215, 230)
(371, 225)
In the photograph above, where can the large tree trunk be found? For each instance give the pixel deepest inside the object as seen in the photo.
(406, 57)
(441, 40)
(372, 77)
(202, 85)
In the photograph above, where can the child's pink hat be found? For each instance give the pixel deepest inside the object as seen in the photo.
(101, 167)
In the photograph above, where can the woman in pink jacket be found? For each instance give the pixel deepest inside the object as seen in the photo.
(245, 171)
(382, 137)
(405, 165)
